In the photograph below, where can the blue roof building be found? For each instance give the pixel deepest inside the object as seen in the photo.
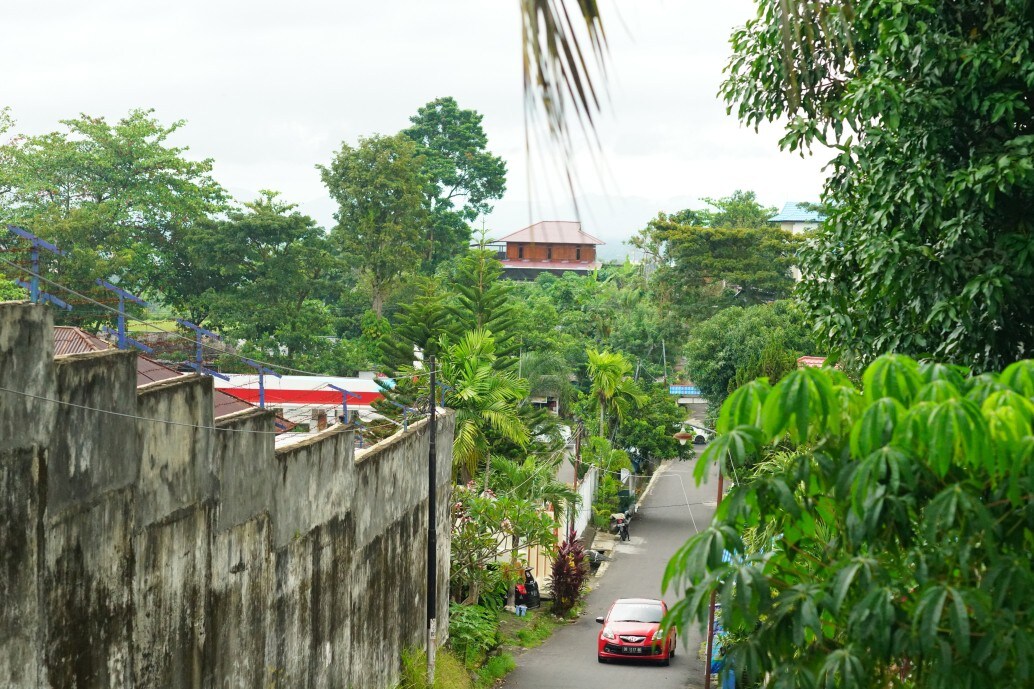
(797, 213)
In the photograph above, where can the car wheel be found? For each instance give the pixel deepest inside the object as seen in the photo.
(671, 653)
(601, 659)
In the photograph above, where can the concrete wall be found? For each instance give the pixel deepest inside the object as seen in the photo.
(154, 546)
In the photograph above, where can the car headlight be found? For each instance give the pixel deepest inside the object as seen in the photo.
(607, 634)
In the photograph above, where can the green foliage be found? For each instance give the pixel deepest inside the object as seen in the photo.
(382, 214)
(483, 525)
(766, 338)
(650, 431)
(536, 481)
(570, 569)
(485, 398)
(422, 322)
(926, 248)
(473, 632)
(9, 291)
(612, 390)
(739, 211)
(701, 269)
(532, 629)
(485, 300)
(463, 176)
(254, 270)
(495, 669)
(891, 547)
(118, 196)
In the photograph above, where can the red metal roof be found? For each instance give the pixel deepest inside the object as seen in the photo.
(70, 340)
(552, 232)
(813, 361)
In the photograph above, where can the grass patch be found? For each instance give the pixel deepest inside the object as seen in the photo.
(449, 672)
(153, 326)
(494, 670)
(529, 631)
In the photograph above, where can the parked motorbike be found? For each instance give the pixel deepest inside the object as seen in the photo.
(619, 524)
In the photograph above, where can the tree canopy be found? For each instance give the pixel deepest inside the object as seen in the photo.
(701, 269)
(463, 175)
(926, 106)
(738, 344)
(382, 215)
(874, 537)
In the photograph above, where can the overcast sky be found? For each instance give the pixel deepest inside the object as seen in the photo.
(270, 89)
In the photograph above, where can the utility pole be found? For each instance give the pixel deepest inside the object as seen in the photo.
(710, 614)
(432, 536)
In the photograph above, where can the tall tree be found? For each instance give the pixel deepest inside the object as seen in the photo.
(258, 267)
(927, 244)
(485, 398)
(701, 269)
(464, 176)
(614, 392)
(723, 349)
(485, 300)
(382, 214)
(118, 196)
(739, 211)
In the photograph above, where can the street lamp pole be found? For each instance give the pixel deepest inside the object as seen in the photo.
(432, 536)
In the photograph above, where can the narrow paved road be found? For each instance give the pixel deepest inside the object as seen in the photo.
(568, 659)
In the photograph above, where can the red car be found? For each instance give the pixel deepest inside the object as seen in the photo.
(631, 629)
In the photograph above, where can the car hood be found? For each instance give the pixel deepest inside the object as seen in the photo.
(646, 629)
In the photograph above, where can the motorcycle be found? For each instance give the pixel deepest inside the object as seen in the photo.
(619, 524)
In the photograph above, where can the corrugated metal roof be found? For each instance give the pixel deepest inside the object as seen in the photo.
(552, 232)
(796, 212)
(71, 340)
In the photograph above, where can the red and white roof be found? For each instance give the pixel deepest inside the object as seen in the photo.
(301, 390)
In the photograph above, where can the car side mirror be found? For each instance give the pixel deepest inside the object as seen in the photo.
(600, 620)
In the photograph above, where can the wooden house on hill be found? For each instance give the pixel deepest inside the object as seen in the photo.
(553, 246)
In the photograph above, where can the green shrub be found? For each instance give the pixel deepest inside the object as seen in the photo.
(473, 632)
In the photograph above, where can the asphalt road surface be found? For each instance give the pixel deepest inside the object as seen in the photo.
(568, 659)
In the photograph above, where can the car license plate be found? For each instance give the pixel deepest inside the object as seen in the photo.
(634, 649)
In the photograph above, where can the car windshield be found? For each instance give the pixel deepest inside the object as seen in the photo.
(636, 612)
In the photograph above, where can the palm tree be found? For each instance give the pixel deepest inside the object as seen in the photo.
(548, 375)
(536, 481)
(613, 390)
(483, 397)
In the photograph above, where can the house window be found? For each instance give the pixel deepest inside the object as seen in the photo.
(549, 253)
(520, 252)
(578, 253)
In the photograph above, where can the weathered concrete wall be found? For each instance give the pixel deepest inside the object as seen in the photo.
(26, 349)
(153, 546)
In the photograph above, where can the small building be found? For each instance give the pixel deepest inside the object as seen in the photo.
(797, 218)
(550, 246)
